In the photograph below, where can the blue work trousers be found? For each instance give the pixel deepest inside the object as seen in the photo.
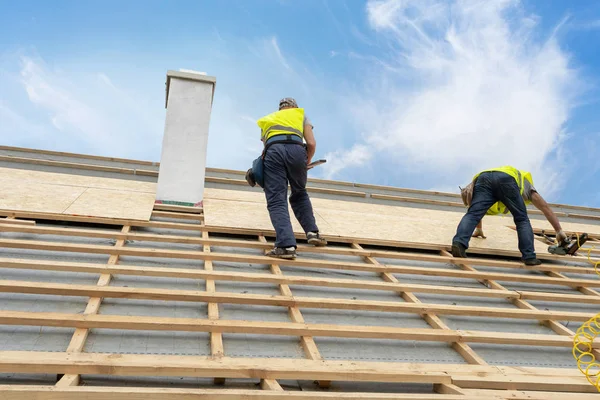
(491, 187)
(286, 162)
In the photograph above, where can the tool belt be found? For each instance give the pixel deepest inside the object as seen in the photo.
(256, 175)
(295, 139)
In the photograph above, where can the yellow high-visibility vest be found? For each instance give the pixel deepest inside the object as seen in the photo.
(519, 176)
(289, 121)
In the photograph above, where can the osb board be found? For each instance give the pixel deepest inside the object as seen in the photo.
(49, 192)
(251, 215)
(227, 208)
(76, 180)
(37, 197)
(356, 220)
(113, 204)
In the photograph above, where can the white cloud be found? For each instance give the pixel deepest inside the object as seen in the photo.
(280, 56)
(84, 112)
(465, 86)
(357, 156)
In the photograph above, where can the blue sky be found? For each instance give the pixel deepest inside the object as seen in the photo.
(418, 94)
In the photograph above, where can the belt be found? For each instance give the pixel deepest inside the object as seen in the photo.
(284, 138)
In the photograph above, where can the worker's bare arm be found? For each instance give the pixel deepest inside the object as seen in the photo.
(311, 143)
(539, 203)
(479, 230)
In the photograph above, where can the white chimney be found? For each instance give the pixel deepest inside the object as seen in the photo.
(189, 100)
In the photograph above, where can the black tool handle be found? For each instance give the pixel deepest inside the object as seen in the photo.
(315, 163)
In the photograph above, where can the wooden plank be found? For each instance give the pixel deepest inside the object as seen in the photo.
(417, 200)
(529, 395)
(76, 155)
(445, 388)
(519, 382)
(463, 349)
(93, 307)
(197, 366)
(144, 252)
(42, 230)
(179, 209)
(310, 189)
(18, 222)
(246, 258)
(177, 215)
(554, 325)
(8, 286)
(406, 190)
(351, 193)
(328, 250)
(68, 164)
(99, 220)
(308, 344)
(15, 392)
(560, 297)
(216, 338)
(188, 273)
(270, 384)
(89, 321)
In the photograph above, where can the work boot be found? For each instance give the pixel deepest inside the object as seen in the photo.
(288, 253)
(532, 261)
(315, 239)
(458, 250)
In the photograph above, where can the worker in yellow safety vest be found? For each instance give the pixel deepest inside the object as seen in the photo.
(498, 191)
(285, 160)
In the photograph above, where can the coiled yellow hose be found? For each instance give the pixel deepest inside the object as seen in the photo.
(583, 342)
(583, 350)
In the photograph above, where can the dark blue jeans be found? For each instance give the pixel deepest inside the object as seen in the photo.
(286, 162)
(491, 187)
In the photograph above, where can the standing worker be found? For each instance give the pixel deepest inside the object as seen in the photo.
(498, 191)
(285, 160)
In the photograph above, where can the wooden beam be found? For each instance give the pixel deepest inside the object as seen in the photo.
(270, 384)
(113, 234)
(189, 273)
(15, 392)
(89, 321)
(60, 289)
(179, 209)
(520, 382)
(556, 326)
(389, 254)
(308, 343)
(18, 222)
(93, 307)
(433, 320)
(529, 395)
(245, 258)
(216, 338)
(99, 220)
(445, 388)
(177, 215)
(197, 366)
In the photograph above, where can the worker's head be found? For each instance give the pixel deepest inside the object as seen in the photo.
(288, 102)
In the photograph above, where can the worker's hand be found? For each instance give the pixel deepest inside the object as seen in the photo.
(561, 237)
(478, 233)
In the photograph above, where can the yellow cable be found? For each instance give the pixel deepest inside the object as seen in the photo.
(583, 342)
(583, 350)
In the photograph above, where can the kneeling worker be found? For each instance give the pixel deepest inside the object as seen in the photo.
(285, 160)
(498, 191)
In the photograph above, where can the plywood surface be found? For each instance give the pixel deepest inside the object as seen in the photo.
(48, 192)
(225, 208)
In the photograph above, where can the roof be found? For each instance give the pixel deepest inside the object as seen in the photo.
(186, 298)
